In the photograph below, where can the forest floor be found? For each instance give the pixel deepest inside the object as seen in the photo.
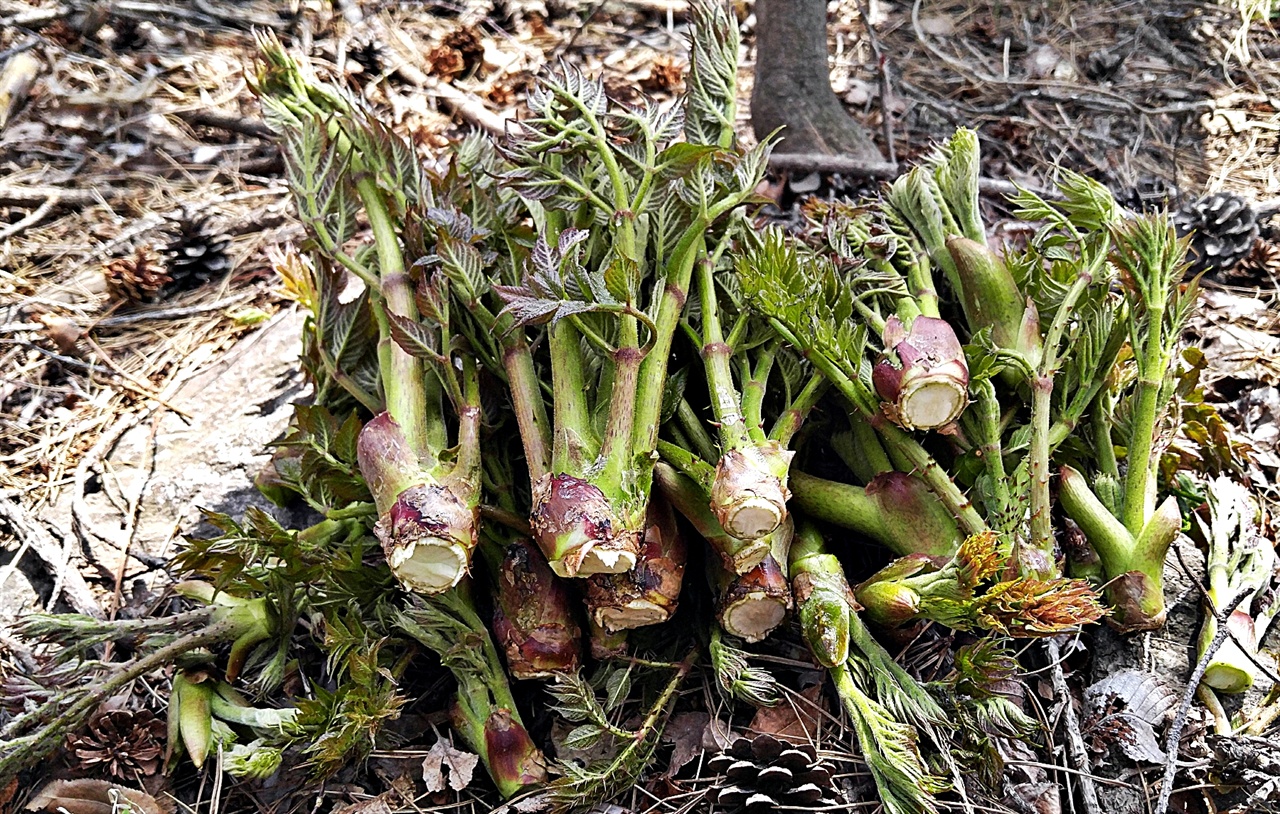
(128, 134)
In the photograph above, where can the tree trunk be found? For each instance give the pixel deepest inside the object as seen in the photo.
(793, 83)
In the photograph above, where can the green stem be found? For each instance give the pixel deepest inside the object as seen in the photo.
(1146, 412)
(1041, 539)
(923, 464)
(755, 383)
(992, 453)
(616, 445)
(527, 403)
(843, 504)
(574, 439)
(407, 389)
(653, 370)
(725, 400)
(792, 418)
(700, 440)
(1103, 446)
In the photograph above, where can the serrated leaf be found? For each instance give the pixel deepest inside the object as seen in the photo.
(682, 157)
(414, 338)
(617, 688)
(622, 279)
(583, 737)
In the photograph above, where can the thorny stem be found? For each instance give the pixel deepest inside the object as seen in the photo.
(700, 440)
(992, 453)
(31, 748)
(1041, 539)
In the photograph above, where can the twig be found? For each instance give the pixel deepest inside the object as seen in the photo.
(36, 536)
(12, 195)
(817, 162)
(36, 17)
(172, 313)
(1184, 707)
(223, 121)
(35, 217)
(1075, 744)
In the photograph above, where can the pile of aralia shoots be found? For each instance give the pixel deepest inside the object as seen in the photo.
(570, 382)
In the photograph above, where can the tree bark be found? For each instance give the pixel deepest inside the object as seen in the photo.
(793, 83)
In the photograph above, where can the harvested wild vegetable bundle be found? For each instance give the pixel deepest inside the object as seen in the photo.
(592, 282)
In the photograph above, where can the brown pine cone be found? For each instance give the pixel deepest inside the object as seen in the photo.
(138, 278)
(1261, 264)
(124, 742)
(764, 774)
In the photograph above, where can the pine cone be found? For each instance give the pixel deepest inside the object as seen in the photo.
(196, 255)
(136, 279)
(124, 742)
(764, 774)
(466, 41)
(1261, 264)
(1223, 228)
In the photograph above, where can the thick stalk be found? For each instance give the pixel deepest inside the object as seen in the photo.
(405, 388)
(615, 448)
(823, 599)
(752, 605)
(653, 370)
(725, 400)
(895, 510)
(1146, 412)
(692, 501)
(527, 403)
(574, 440)
(648, 593)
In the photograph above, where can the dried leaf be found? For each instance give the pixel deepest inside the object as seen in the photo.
(92, 797)
(461, 765)
(375, 805)
(795, 719)
(685, 731)
(1128, 708)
